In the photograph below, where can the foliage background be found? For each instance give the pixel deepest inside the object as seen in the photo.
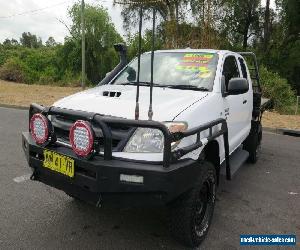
(238, 25)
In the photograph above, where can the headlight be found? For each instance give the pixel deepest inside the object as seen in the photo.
(145, 140)
(149, 140)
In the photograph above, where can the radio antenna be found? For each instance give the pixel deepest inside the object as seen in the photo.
(150, 112)
(137, 108)
(140, 4)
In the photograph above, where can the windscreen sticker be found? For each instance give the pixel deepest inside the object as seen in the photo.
(192, 67)
(205, 75)
(195, 63)
(199, 58)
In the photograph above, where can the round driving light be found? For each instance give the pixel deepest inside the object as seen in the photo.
(39, 128)
(82, 138)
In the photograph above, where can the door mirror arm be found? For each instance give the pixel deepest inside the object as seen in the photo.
(223, 87)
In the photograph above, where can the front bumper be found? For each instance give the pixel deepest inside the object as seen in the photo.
(97, 181)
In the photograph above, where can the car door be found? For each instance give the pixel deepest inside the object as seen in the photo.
(247, 99)
(234, 106)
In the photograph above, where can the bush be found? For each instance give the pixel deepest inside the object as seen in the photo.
(277, 89)
(69, 79)
(12, 70)
(48, 75)
(30, 65)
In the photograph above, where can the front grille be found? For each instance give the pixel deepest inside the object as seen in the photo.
(120, 133)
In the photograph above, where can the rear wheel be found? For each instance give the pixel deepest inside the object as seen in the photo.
(191, 214)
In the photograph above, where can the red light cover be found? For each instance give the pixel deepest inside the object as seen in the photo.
(81, 138)
(39, 128)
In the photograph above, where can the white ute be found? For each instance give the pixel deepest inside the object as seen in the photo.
(153, 139)
(194, 107)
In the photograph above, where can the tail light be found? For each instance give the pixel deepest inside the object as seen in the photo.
(82, 138)
(39, 128)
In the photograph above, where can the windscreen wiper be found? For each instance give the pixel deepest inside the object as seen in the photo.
(179, 86)
(187, 87)
(140, 83)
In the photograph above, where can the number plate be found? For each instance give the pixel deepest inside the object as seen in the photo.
(58, 163)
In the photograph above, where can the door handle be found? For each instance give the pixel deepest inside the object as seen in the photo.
(245, 101)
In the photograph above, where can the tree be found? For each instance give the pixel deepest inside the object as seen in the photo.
(14, 42)
(100, 35)
(30, 41)
(242, 20)
(208, 17)
(290, 47)
(168, 10)
(133, 44)
(7, 42)
(10, 43)
(291, 18)
(50, 42)
(212, 23)
(283, 52)
(267, 25)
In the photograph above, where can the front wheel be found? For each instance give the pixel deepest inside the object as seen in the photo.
(191, 214)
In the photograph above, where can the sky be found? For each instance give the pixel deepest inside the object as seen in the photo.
(45, 22)
(42, 17)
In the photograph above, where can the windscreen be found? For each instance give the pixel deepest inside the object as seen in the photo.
(173, 69)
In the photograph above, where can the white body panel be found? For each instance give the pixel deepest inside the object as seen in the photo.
(193, 107)
(238, 109)
(167, 103)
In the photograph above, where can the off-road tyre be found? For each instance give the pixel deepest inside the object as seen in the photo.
(191, 213)
(253, 143)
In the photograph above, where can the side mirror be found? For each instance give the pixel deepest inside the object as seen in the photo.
(237, 86)
(107, 74)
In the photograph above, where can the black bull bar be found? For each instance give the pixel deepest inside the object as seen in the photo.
(169, 156)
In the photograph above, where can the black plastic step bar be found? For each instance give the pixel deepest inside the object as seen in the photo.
(168, 155)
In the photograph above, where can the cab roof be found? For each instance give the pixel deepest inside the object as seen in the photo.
(188, 50)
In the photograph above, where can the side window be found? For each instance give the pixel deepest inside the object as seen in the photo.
(230, 69)
(243, 67)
